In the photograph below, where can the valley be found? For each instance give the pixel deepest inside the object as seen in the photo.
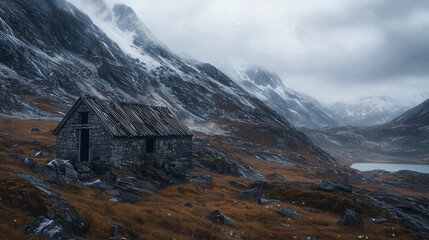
(267, 161)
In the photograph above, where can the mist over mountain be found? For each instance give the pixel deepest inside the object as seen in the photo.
(299, 109)
(403, 139)
(371, 110)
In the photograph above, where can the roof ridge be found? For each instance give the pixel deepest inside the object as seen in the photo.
(122, 101)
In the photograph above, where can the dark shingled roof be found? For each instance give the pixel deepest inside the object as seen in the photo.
(131, 119)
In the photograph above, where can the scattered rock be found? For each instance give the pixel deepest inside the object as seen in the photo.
(187, 205)
(178, 169)
(3, 134)
(264, 201)
(64, 170)
(34, 130)
(251, 193)
(379, 220)
(15, 145)
(225, 166)
(45, 227)
(130, 197)
(218, 217)
(99, 184)
(350, 218)
(204, 180)
(262, 184)
(113, 200)
(287, 212)
(36, 154)
(84, 169)
(276, 177)
(113, 192)
(238, 185)
(339, 185)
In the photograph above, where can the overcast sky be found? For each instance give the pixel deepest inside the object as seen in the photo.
(330, 49)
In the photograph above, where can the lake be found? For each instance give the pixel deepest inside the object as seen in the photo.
(390, 167)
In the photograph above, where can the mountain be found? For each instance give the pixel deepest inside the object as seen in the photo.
(51, 53)
(407, 134)
(403, 139)
(371, 110)
(418, 115)
(298, 109)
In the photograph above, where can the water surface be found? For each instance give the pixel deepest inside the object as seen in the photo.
(390, 167)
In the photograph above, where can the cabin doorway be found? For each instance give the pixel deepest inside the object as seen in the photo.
(84, 145)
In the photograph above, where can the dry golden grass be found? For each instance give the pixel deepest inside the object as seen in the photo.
(162, 216)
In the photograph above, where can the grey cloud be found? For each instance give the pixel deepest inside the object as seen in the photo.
(330, 45)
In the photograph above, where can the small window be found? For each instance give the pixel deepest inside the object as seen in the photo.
(83, 117)
(150, 145)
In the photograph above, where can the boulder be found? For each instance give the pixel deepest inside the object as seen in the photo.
(36, 154)
(218, 217)
(84, 169)
(251, 193)
(64, 170)
(287, 212)
(176, 168)
(238, 185)
(99, 184)
(350, 218)
(338, 185)
(45, 227)
(264, 201)
(225, 166)
(379, 220)
(262, 184)
(187, 205)
(34, 130)
(276, 177)
(113, 192)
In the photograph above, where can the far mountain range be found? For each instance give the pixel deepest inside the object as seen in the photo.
(305, 111)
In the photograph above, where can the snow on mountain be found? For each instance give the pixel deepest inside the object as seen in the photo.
(300, 110)
(372, 110)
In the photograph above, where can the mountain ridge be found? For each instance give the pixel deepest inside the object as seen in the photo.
(299, 109)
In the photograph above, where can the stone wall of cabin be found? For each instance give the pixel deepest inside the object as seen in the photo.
(119, 152)
(131, 152)
(100, 141)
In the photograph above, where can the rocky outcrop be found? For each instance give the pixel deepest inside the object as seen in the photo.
(418, 222)
(224, 166)
(238, 185)
(251, 193)
(218, 217)
(45, 227)
(263, 185)
(338, 185)
(263, 201)
(350, 218)
(63, 169)
(55, 216)
(287, 212)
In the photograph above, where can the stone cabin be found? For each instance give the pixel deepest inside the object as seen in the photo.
(121, 135)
